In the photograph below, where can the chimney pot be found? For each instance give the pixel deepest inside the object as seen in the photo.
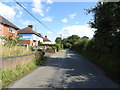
(31, 26)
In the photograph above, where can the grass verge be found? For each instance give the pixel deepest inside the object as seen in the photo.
(8, 76)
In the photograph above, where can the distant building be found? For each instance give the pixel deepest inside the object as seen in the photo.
(46, 40)
(7, 28)
(30, 37)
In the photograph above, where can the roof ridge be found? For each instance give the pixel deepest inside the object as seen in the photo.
(28, 30)
(7, 22)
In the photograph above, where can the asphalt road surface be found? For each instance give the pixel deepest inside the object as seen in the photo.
(66, 70)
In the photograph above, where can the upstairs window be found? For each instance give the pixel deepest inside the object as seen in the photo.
(11, 30)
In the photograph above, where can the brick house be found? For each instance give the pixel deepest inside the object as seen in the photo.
(30, 37)
(7, 28)
(46, 40)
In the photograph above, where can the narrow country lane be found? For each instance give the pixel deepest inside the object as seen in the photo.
(66, 70)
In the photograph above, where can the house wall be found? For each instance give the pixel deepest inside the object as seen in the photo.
(31, 39)
(1, 29)
(27, 36)
(47, 43)
(35, 37)
(5, 31)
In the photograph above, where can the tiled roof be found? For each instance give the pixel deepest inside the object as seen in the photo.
(6, 22)
(28, 30)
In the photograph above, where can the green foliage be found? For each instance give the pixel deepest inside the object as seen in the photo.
(68, 42)
(11, 75)
(49, 48)
(54, 47)
(31, 48)
(39, 43)
(10, 42)
(8, 76)
(104, 48)
(14, 51)
(65, 43)
(60, 47)
(58, 40)
(85, 37)
(106, 61)
(39, 58)
(107, 23)
(80, 45)
(72, 39)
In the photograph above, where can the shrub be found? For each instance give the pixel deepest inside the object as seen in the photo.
(31, 48)
(80, 45)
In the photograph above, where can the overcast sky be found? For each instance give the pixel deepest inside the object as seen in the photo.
(64, 18)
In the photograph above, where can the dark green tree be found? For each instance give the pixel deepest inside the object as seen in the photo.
(107, 23)
(85, 37)
(58, 40)
(72, 39)
(39, 43)
(66, 43)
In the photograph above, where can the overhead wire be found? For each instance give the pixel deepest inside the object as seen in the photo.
(34, 16)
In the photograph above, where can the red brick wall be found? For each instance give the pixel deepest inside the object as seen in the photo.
(29, 42)
(1, 30)
(7, 33)
(25, 42)
(11, 63)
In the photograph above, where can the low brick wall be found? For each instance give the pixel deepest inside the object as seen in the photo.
(12, 62)
(50, 51)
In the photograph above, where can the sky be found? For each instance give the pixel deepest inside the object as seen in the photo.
(62, 18)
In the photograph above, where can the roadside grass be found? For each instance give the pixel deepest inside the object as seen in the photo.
(14, 51)
(108, 62)
(8, 76)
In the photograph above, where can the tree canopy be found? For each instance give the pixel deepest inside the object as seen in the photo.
(107, 23)
(58, 40)
(72, 39)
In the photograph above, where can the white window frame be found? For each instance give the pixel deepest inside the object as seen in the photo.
(11, 30)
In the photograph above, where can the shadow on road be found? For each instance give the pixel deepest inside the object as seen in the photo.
(78, 73)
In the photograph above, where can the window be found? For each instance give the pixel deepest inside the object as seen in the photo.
(11, 30)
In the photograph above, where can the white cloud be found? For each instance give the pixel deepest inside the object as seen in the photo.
(18, 10)
(47, 9)
(48, 19)
(38, 7)
(7, 11)
(49, 32)
(64, 20)
(80, 30)
(49, 1)
(72, 16)
(27, 22)
(76, 22)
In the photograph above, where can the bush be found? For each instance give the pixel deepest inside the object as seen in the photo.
(80, 45)
(49, 48)
(54, 47)
(107, 61)
(31, 48)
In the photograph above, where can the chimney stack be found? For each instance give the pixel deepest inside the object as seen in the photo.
(31, 26)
